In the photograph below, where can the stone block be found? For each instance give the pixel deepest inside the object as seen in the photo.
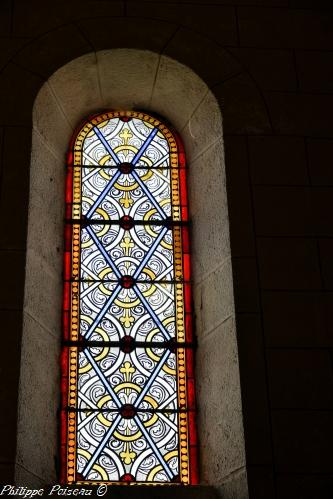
(321, 206)
(208, 208)
(15, 187)
(304, 486)
(282, 211)
(216, 21)
(303, 441)
(170, 92)
(140, 33)
(220, 413)
(300, 114)
(271, 69)
(46, 54)
(297, 319)
(123, 68)
(217, 300)
(239, 197)
(243, 108)
(9, 47)
(11, 79)
(315, 71)
(7, 471)
(51, 122)
(11, 325)
(256, 410)
(197, 52)
(12, 275)
(235, 486)
(261, 482)
(287, 263)
(72, 89)
(25, 478)
(5, 17)
(285, 28)
(300, 379)
(241, 220)
(40, 395)
(203, 128)
(245, 285)
(278, 160)
(325, 249)
(236, 160)
(43, 302)
(38, 17)
(46, 209)
(319, 153)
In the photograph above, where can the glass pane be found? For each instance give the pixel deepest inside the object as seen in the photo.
(128, 393)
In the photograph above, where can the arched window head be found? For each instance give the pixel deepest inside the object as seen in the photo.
(128, 394)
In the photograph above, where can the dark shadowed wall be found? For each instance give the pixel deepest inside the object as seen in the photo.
(270, 65)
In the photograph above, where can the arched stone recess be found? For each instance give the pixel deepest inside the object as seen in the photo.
(131, 79)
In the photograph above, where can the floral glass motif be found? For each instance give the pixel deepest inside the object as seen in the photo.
(127, 379)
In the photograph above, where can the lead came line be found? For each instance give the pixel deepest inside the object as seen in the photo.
(103, 193)
(101, 446)
(154, 447)
(102, 378)
(152, 313)
(152, 378)
(101, 248)
(102, 312)
(149, 196)
(149, 253)
(144, 146)
(106, 144)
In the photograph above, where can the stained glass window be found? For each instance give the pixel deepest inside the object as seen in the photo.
(127, 357)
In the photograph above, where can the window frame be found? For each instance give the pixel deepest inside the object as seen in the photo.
(160, 83)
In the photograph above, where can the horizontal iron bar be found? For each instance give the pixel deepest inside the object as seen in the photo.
(165, 411)
(137, 281)
(135, 344)
(136, 167)
(92, 221)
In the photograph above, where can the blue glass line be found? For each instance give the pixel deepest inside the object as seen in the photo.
(103, 193)
(102, 378)
(152, 313)
(148, 194)
(149, 253)
(101, 248)
(151, 378)
(144, 146)
(101, 446)
(106, 144)
(102, 312)
(154, 447)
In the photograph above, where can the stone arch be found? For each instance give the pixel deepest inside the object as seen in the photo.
(128, 78)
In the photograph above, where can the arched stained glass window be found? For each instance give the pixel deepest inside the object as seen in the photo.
(127, 383)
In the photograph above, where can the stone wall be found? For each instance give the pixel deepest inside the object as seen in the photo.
(269, 65)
